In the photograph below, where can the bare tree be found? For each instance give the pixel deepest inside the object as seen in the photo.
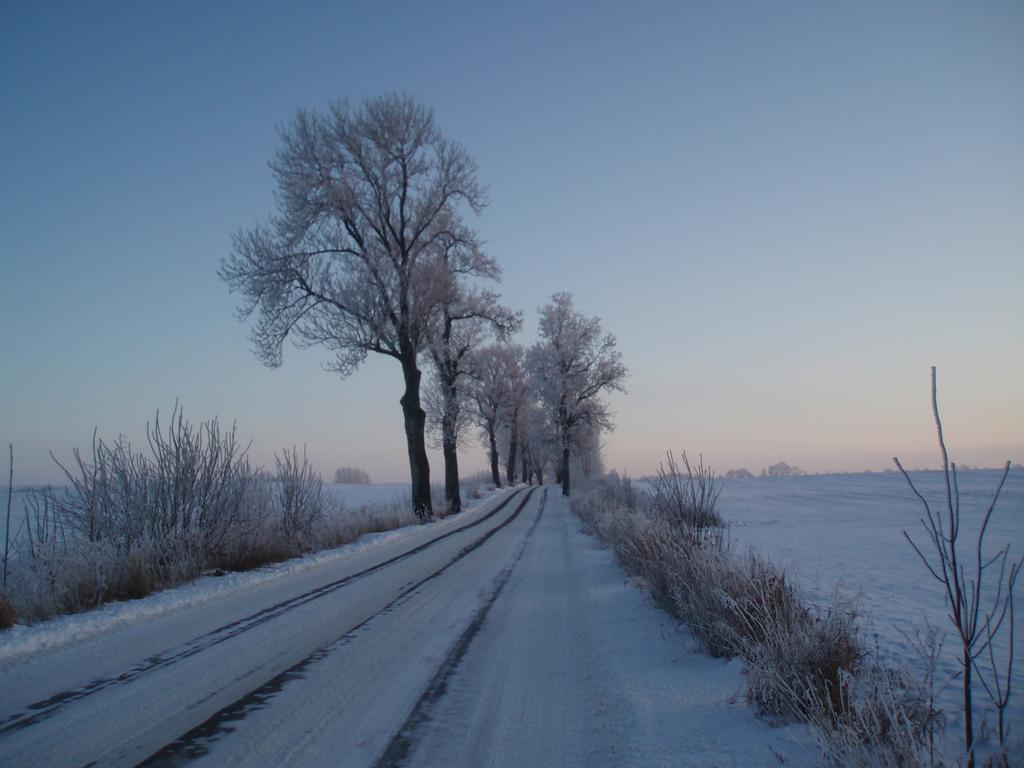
(518, 395)
(978, 618)
(463, 319)
(352, 260)
(494, 368)
(450, 404)
(537, 443)
(572, 365)
(589, 450)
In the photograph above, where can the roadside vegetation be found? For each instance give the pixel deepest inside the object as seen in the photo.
(801, 662)
(130, 522)
(812, 663)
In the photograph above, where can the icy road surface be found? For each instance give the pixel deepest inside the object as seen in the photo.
(501, 637)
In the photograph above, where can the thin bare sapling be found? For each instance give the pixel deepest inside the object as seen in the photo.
(977, 616)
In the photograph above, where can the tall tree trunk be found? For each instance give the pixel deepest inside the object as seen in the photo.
(565, 470)
(513, 444)
(450, 449)
(495, 475)
(526, 463)
(415, 424)
(564, 425)
(540, 475)
(451, 475)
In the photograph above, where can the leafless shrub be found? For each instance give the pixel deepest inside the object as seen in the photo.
(130, 523)
(46, 521)
(300, 497)
(928, 642)
(187, 495)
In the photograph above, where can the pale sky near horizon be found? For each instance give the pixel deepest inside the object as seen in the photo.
(786, 212)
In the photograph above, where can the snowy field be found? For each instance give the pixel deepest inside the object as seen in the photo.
(846, 531)
(370, 495)
(17, 513)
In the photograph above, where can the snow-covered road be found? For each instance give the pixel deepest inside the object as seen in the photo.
(504, 636)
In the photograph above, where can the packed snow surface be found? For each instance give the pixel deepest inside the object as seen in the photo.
(846, 531)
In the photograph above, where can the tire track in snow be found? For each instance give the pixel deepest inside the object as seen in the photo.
(195, 743)
(40, 710)
(402, 743)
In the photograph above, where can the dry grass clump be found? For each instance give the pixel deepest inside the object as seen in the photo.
(344, 526)
(800, 662)
(685, 500)
(477, 485)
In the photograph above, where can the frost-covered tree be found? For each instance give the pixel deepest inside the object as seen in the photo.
(739, 474)
(588, 449)
(352, 259)
(782, 469)
(495, 368)
(465, 315)
(352, 476)
(450, 402)
(434, 403)
(572, 364)
(540, 443)
(518, 394)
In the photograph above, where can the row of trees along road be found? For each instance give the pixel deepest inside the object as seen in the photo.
(369, 251)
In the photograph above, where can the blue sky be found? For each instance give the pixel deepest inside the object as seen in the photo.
(786, 212)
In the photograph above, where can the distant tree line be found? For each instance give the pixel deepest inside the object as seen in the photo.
(782, 469)
(739, 474)
(352, 476)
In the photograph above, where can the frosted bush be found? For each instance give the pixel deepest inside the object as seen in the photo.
(799, 662)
